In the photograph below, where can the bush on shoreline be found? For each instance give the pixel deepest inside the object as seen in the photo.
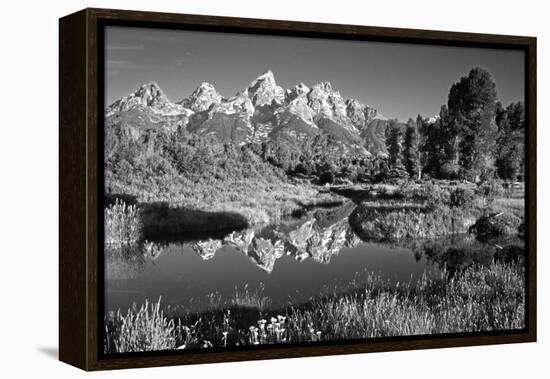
(499, 224)
(391, 223)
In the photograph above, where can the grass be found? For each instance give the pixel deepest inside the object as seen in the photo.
(477, 298)
(123, 225)
(143, 329)
(259, 201)
(513, 205)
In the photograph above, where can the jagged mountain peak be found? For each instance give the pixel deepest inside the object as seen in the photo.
(299, 90)
(151, 84)
(267, 79)
(263, 110)
(326, 102)
(264, 90)
(150, 96)
(356, 113)
(325, 86)
(359, 113)
(354, 103)
(205, 86)
(267, 74)
(202, 98)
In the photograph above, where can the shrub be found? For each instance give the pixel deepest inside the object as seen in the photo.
(326, 177)
(449, 171)
(462, 197)
(499, 224)
(301, 169)
(431, 194)
(435, 195)
(490, 189)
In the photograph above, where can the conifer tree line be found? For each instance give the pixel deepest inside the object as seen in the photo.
(474, 138)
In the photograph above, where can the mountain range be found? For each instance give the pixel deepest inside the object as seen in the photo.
(262, 111)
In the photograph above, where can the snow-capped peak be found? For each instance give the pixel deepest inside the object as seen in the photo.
(264, 90)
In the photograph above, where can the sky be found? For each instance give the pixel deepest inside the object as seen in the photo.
(400, 80)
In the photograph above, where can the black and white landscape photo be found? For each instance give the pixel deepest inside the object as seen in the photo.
(270, 190)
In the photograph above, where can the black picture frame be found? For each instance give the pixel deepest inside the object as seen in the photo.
(81, 106)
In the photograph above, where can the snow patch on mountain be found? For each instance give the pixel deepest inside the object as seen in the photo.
(202, 98)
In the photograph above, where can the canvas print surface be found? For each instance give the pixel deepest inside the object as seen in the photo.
(264, 190)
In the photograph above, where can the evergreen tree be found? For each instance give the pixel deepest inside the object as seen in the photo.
(511, 150)
(472, 105)
(394, 144)
(434, 142)
(411, 155)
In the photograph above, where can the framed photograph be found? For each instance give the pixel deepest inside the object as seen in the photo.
(240, 189)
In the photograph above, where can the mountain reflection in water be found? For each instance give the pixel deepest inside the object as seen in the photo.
(296, 258)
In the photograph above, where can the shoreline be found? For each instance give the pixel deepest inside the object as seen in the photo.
(373, 309)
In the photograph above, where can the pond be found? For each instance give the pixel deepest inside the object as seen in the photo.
(290, 262)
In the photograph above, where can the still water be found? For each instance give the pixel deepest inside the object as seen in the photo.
(292, 261)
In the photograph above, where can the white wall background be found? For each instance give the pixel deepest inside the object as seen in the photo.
(28, 167)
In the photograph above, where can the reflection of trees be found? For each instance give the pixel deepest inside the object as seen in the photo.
(124, 262)
(459, 252)
(128, 261)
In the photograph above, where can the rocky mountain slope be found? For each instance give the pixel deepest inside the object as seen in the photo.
(260, 112)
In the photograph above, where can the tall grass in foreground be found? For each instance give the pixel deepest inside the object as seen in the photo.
(143, 329)
(123, 225)
(477, 298)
